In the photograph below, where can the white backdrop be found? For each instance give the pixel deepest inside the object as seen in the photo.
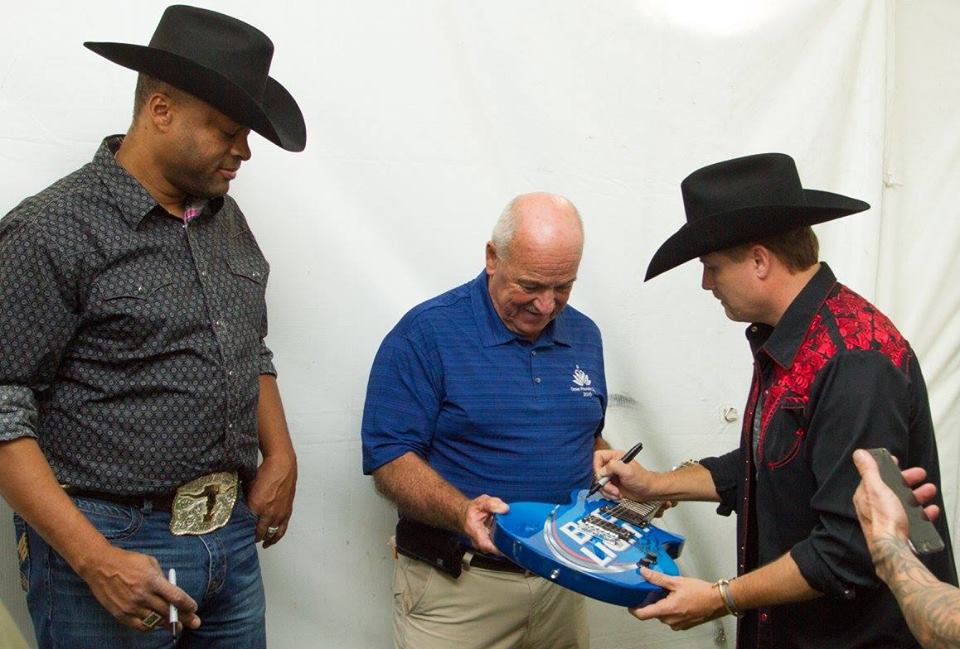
(426, 116)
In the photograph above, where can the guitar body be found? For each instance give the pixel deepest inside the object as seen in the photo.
(591, 545)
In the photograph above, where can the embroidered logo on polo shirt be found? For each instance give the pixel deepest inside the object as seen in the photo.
(581, 383)
(580, 377)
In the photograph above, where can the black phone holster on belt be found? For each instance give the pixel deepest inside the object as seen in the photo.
(440, 548)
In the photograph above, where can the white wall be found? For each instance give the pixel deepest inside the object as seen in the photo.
(425, 117)
(920, 235)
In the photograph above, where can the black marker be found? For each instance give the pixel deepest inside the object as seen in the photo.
(627, 457)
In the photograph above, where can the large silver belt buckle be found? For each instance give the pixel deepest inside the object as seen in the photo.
(204, 504)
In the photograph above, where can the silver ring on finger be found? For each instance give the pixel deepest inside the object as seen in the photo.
(272, 531)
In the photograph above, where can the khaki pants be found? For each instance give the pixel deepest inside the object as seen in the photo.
(483, 609)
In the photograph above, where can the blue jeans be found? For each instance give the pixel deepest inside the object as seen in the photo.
(220, 570)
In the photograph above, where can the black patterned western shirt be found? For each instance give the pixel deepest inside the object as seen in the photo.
(132, 342)
(832, 376)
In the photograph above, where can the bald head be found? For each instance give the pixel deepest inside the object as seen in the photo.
(532, 261)
(537, 219)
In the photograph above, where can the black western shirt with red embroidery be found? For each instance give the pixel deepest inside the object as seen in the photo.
(132, 342)
(834, 375)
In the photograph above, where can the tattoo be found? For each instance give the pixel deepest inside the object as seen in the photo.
(931, 607)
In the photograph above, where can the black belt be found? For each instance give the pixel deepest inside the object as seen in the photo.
(156, 502)
(492, 563)
(442, 549)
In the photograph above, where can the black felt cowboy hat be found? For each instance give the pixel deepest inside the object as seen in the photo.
(742, 200)
(222, 61)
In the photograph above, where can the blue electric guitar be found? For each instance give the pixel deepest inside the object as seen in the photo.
(592, 545)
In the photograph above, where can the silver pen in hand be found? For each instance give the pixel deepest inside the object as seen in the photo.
(627, 457)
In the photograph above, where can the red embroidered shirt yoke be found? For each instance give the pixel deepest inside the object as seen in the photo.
(834, 375)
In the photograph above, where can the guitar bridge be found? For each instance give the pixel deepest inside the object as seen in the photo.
(603, 528)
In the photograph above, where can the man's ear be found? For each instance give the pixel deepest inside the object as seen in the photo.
(159, 108)
(492, 259)
(762, 260)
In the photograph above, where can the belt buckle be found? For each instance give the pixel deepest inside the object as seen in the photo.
(204, 504)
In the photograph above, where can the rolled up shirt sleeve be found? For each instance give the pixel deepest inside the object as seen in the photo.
(18, 412)
(37, 321)
(265, 360)
(725, 471)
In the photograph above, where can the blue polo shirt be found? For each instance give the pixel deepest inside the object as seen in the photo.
(489, 411)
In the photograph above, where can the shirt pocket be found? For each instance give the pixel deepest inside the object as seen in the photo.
(249, 268)
(245, 299)
(131, 312)
(246, 293)
(783, 440)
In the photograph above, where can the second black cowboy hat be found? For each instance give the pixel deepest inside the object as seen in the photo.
(222, 61)
(742, 200)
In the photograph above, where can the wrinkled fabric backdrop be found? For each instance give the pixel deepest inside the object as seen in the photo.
(425, 117)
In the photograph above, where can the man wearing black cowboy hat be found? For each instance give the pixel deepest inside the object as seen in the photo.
(136, 390)
(831, 374)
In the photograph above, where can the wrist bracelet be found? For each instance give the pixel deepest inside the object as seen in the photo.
(723, 585)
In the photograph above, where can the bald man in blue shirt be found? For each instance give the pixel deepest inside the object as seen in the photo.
(489, 393)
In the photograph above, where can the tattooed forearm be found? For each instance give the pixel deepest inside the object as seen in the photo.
(931, 607)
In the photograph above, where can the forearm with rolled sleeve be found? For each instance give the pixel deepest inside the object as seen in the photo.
(725, 471)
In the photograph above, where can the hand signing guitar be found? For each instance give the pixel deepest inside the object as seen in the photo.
(626, 480)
